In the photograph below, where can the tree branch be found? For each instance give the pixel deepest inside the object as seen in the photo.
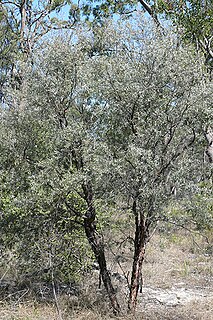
(151, 12)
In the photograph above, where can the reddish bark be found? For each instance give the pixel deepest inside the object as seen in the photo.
(139, 252)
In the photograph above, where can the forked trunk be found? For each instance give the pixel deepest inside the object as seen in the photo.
(139, 252)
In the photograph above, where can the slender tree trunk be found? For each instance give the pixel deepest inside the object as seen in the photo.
(139, 252)
(97, 245)
(23, 23)
(209, 139)
(25, 41)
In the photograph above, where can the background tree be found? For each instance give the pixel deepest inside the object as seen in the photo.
(194, 20)
(23, 24)
(30, 20)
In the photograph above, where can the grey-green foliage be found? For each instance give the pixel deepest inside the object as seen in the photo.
(154, 102)
(199, 207)
(123, 108)
(35, 220)
(37, 174)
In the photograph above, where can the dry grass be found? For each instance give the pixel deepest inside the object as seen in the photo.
(27, 311)
(193, 311)
(177, 258)
(172, 260)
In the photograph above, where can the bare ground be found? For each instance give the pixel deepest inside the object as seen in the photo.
(178, 285)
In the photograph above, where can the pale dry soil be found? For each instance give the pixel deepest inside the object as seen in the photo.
(178, 285)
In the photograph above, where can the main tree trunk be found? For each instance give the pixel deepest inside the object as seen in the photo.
(139, 252)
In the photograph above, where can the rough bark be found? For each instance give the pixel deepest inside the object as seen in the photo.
(97, 245)
(209, 149)
(139, 252)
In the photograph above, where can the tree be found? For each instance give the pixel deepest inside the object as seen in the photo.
(152, 116)
(23, 24)
(29, 21)
(35, 222)
(195, 19)
(51, 123)
(114, 116)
